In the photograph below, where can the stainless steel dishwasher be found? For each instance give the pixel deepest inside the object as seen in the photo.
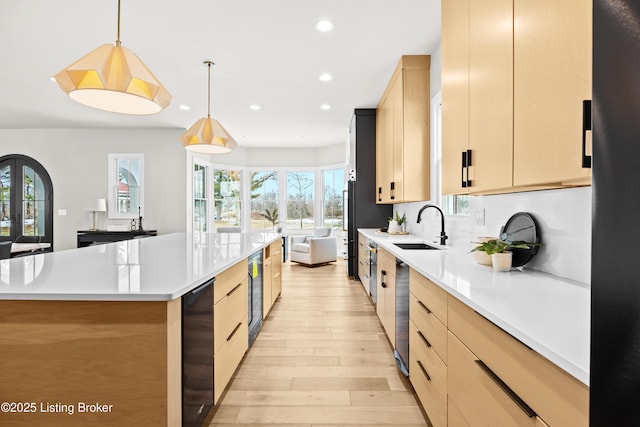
(401, 352)
(373, 270)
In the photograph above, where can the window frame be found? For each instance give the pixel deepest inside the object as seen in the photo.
(112, 186)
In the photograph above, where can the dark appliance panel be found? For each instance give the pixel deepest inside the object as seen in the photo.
(197, 355)
(255, 295)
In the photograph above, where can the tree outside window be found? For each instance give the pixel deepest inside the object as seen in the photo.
(227, 197)
(333, 184)
(300, 199)
(264, 201)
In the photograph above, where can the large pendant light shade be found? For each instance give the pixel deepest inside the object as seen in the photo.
(113, 78)
(207, 135)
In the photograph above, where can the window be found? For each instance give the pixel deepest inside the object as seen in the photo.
(264, 201)
(300, 200)
(227, 197)
(26, 199)
(333, 184)
(200, 198)
(126, 185)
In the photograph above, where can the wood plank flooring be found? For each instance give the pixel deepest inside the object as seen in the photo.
(321, 359)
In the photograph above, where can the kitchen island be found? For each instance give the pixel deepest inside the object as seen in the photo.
(92, 336)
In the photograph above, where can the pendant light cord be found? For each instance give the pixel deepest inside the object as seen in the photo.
(118, 38)
(209, 64)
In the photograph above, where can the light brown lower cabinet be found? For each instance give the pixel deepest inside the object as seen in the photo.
(428, 375)
(230, 328)
(484, 376)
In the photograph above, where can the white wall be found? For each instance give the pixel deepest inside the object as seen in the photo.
(284, 157)
(76, 160)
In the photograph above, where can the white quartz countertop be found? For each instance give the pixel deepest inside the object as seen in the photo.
(549, 314)
(159, 268)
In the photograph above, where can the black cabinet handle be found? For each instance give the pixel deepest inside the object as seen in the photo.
(384, 273)
(379, 194)
(234, 331)
(586, 126)
(393, 190)
(234, 289)
(424, 306)
(468, 165)
(516, 399)
(424, 371)
(464, 166)
(426, 341)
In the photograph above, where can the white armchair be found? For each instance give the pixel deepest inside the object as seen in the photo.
(320, 248)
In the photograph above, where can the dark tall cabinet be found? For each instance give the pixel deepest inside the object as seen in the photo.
(615, 279)
(362, 210)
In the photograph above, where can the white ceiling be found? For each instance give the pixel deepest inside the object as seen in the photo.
(267, 52)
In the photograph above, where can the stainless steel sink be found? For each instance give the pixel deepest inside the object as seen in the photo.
(415, 246)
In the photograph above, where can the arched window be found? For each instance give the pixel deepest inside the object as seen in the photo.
(26, 199)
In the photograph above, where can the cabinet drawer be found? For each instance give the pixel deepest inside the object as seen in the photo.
(481, 401)
(428, 324)
(387, 261)
(229, 279)
(430, 360)
(430, 294)
(276, 249)
(454, 415)
(227, 359)
(432, 400)
(559, 398)
(228, 312)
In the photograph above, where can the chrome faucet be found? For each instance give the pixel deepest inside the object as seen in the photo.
(443, 235)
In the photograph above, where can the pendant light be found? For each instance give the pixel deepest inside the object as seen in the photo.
(207, 135)
(113, 78)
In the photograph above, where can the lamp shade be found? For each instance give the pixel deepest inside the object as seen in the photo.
(113, 78)
(207, 136)
(96, 205)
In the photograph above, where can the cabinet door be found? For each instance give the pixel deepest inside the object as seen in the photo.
(396, 150)
(478, 395)
(266, 285)
(552, 76)
(415, 135)
(491, 94)
(455, 93)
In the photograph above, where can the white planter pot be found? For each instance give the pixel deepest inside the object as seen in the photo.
(482, 257)
(501, 261)
(394, 227)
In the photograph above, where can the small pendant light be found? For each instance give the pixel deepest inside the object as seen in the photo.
(207, 135)
(113, 78)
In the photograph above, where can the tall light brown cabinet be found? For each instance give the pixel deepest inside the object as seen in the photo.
(402, 133)
(515, 74)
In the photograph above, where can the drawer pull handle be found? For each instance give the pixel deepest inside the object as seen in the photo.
(516, 399)
(426, 341)
(424, 371)
(234, 331)
(234, 289)
(424, 306)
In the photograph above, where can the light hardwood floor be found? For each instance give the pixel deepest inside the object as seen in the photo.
(321, 359)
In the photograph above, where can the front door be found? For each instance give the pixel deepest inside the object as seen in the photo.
(26, 199)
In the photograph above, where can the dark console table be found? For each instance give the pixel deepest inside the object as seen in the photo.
(87, 237)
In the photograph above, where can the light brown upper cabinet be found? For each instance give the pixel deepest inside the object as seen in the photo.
(514, 77)
(402, 134)
(552, 78)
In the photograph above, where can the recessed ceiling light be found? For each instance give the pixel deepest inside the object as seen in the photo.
(325, 106)
(184, 107)
(326, 77)
(324, 26)
(254, 107)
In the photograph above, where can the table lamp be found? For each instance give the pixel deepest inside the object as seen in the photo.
(93, 206)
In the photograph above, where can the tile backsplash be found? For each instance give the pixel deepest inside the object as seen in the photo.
(563, 218)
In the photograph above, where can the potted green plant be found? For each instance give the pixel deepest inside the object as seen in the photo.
(497, 250)
(397, 224)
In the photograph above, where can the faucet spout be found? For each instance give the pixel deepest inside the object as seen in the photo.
(443, 235)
